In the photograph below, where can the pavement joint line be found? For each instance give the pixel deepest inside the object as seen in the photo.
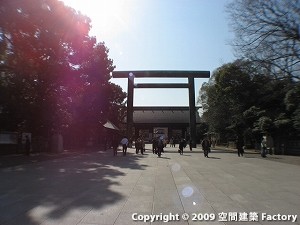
(88, 211)
(170, 167)
(120, 212)
(154, 191)
(155, 183)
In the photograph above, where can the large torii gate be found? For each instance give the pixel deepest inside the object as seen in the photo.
(130, 75)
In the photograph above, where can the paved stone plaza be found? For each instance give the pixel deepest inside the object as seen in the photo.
(97, 188)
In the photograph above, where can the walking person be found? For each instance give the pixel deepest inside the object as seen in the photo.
(182, 145)
(240, 146)
(139, 146)
(205, 146)
(154, 145)
(263, 147)
(124, 143)
(160, 146)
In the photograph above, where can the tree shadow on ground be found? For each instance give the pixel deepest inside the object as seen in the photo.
(70, 186)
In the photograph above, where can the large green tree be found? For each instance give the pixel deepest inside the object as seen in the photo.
(53, 72)
(41, 40)
(225, 97)
(241, 99)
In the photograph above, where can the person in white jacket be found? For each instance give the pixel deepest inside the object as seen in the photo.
(124, 143)
(264, 147)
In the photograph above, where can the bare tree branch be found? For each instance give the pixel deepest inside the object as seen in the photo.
(268, 32)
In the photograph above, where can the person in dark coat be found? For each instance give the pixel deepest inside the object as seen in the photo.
(139, 146)
(240, 146)
(205, 146)
(160, 146)
(154, 145)
(182, 145)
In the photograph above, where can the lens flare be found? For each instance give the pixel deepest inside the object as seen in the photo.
(187, 191)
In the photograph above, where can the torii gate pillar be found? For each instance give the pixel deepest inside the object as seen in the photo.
(192, 111)
(130, 105)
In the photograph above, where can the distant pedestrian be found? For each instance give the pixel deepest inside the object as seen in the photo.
(191, 144)
(182, 145)
(263, 147)
(154, 145)
(27, 145)
(124, 143)
(160, 146)
(240, 146)
(139, 145)
(205, 146)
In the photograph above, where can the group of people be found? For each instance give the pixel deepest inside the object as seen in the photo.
(158, 144)
(115, 144)
(173, 141)
(139, 145)
(266, 146)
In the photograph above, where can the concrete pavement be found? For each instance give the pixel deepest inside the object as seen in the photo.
(98, 188)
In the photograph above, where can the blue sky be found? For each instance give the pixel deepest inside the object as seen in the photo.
(161, 35)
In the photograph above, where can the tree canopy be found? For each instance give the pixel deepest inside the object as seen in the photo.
(53, 73)
(241, 100)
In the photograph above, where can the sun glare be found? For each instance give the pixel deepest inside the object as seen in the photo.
(109, 17)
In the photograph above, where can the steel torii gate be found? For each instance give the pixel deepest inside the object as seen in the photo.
(130, 75)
